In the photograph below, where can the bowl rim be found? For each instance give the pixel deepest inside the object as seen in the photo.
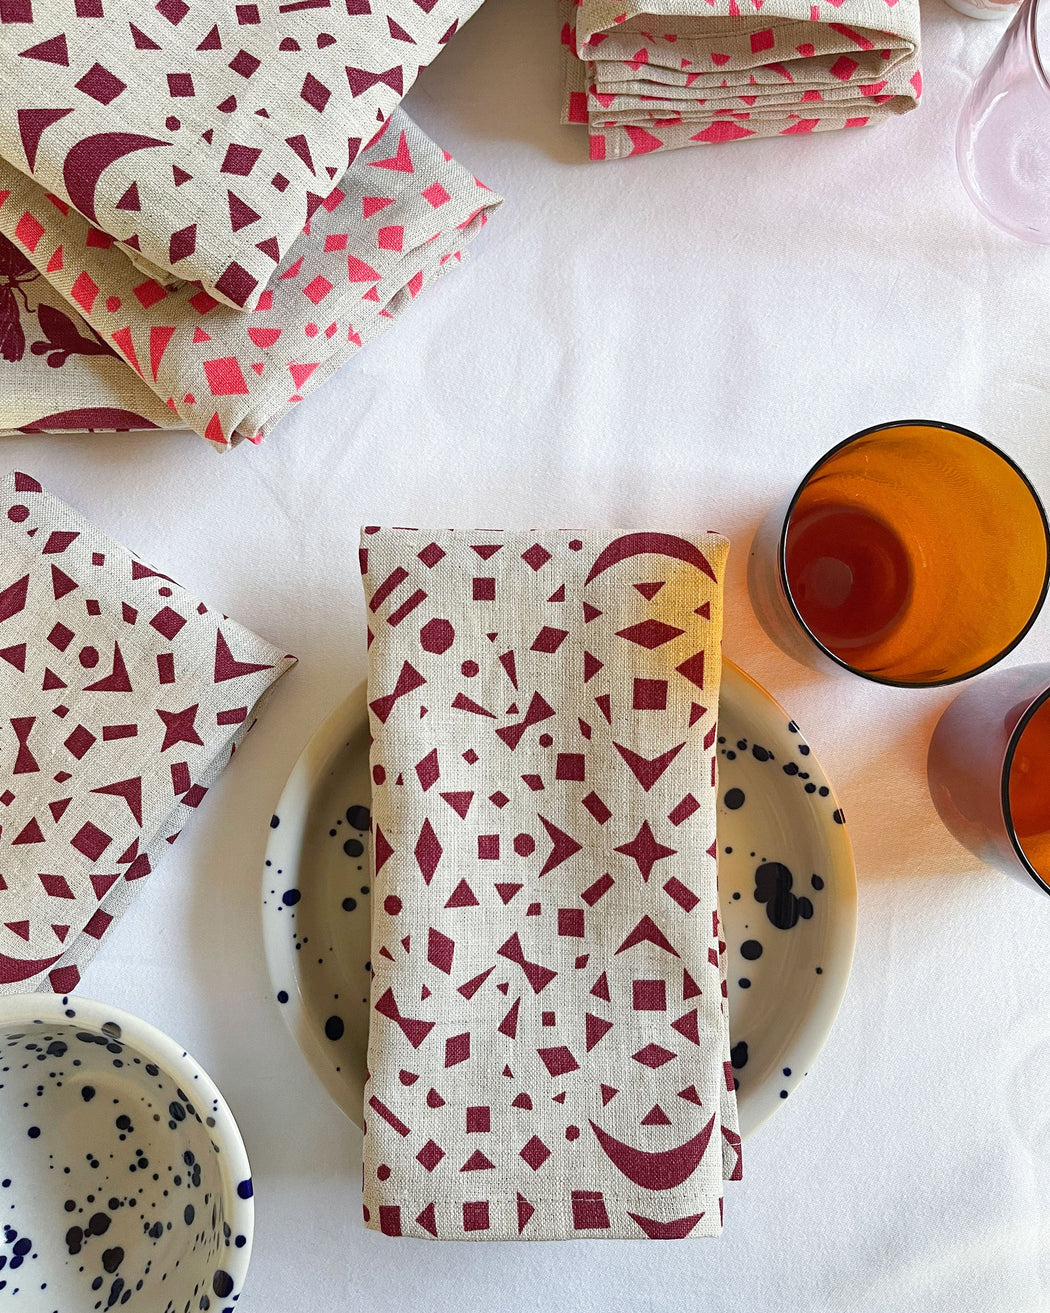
(171, 1057)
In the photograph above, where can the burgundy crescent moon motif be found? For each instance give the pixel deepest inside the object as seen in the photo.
(652, 544)
(13, 969)
(663, 1170)
(88, 159)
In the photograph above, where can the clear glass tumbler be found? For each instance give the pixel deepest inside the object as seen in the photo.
(989, 771)
(1002, 143)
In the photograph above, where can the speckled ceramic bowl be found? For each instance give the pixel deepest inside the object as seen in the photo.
(123, 1179)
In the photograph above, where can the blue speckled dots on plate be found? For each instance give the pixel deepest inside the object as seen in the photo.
(123, 1181)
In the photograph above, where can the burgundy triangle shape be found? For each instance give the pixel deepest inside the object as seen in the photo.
(656, 1115)
(597, 1029)
(462, 896)
(211, 41)
(459, 800)
(32, 124)
(600, 988)
(507, 891)
(485, 550)
(116, 681)
(690, 989)
(57, 807)
(15, 656)
(61, 582)
(130, 199)
(426, 1220)
(647, 770)
(51, 680)
(649, 591)
(52, 51)
(141, 40)
(608, 1093)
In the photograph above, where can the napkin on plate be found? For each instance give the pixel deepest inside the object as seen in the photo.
(669, 73)
(548, 1049)
(204, 137)
(400, 217)
(122, 700)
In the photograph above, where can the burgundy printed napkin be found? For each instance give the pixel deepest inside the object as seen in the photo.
(399, 218)
(548, 1050)
(203, 137)
(662, 74)
(121, 700)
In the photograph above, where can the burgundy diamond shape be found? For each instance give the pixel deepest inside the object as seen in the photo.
(535, 1153)
(653, 1055)
(101, 85)
(431, 555)
(536, 557)
(430, 1155)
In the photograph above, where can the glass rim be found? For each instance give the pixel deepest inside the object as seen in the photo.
(1033, 44)
(882, 428)
(1012, 744)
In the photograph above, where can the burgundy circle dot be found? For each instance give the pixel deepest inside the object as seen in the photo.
(172, 123)
(164, 592)
(575, 544)
(382, 1171)
(470, 668)
(392, 904)
(545, 740)
(18, 514)
(524, 845)
(88, 657)
(379, 774)
(572, 1132)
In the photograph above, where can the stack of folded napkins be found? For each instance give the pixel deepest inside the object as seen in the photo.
(670, 73)
(204, 213)
(549, 1046)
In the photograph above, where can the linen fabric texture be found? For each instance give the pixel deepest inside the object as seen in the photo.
(671, 73)
(123, 699)
(549, 1047)
(250, 166)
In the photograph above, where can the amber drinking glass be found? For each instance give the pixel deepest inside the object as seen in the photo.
(989, 771)
(913, 554)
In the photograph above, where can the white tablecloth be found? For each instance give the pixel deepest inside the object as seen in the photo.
(670, 340)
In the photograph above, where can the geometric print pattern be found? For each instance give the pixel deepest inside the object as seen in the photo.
(122, 699)
(549, 1044)
(399, 218)
(673, 73)
(203, 137)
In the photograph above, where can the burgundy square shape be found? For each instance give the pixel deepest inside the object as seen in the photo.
(570, 922)
(570, 766)
(7, 797)
(430, 1155)
(91, 841)
(430, 555)
(101, 85)
(547, 1018)
(484, 590)
(167, 622)
(93, 607)
(477, 1119)
(588, 1211)
(247, 14)
(488, 847)
(180, 84)
(457, 1049)
(79, 741)
(650, 996)
(650, 695)
(236, 283)
(476, 1216)
(244, 63)
(60, 637)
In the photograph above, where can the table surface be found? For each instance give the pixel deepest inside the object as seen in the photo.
(668, 341)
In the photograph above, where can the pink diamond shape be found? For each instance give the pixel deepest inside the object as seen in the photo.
(536, 556)
(535, 1153)
(653, 1055)
(436, 195)
(430, 1155)
(317, 289)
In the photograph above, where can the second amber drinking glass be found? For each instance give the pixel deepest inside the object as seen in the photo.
(913, 553)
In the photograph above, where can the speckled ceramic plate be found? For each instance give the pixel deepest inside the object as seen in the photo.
(788, 893)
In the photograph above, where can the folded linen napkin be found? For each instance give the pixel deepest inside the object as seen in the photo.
(548, 1049)
(669, 73)
(123, 698)
(399, 218)
(204, 138)
(56, 374)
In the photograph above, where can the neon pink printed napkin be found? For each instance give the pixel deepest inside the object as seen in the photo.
(399, 219)
(122, 699)
(548, 1051)
(669, 73)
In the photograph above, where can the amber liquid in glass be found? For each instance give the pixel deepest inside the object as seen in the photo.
(849, 575)
(1029, 790)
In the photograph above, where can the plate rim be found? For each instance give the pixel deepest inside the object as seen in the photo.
(316, 760)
